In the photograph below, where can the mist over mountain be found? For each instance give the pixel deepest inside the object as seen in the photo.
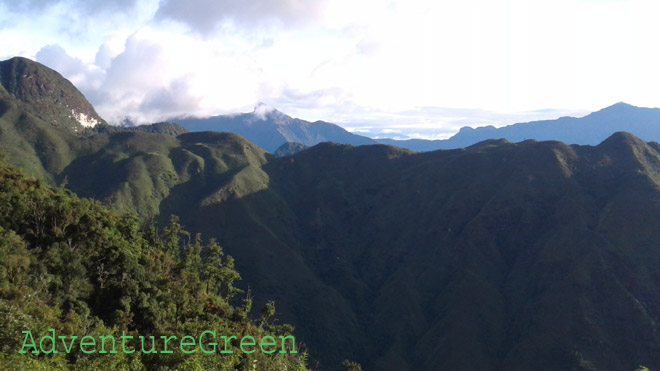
(269, 129)
(498, 256)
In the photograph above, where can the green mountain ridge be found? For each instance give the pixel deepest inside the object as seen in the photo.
(166, 128)
(376, 253)
(289, 148)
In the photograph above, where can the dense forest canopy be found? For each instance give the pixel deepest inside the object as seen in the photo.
(76, 268)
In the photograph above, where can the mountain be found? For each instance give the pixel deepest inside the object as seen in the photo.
(419, 145)
(269, 129)
(46, 123)
(166, 128)
(591, 129)
(152, 174)
(74, 267)
(44, 119)
(289, 148)
(535, 255)
(497, 256)
(45, 93)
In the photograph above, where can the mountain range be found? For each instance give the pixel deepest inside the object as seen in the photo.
(269, 129)
(589, 130)
(496, 256)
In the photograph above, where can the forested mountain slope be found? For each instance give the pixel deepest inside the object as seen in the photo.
(498, 256)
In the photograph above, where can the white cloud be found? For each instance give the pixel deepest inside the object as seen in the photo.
(205, 16)
(262, 110)
(161, 76)
(83, 76)
(360, 63)
(154, 78)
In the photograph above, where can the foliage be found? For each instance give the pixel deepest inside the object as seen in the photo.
(79, 268)
(351, 366)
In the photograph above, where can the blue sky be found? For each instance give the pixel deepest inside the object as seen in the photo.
(381, 68)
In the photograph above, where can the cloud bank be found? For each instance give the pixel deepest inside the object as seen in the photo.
(387, 65)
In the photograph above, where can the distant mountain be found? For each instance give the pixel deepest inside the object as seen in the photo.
(591, 129)
(269, 129)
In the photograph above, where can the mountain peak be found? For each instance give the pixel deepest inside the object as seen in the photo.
(269, 128)
(264, 111)
(617, 108)
(622, 138)
(46, 94)
(620, 105)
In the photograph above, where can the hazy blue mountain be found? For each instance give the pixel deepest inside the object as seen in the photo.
(269, 129)
(591, 129)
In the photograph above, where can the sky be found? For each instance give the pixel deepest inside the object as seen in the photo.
(382, 68)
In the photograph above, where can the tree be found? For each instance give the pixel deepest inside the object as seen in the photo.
(218, 271)
(172, 233)
(82, 269)
(351, 366)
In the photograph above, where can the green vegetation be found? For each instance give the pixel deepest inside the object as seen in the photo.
(39, 119)
(289, 148)
(79, 268)
(521, 256)
(46, 94)
(166, 128)
(351, 366)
